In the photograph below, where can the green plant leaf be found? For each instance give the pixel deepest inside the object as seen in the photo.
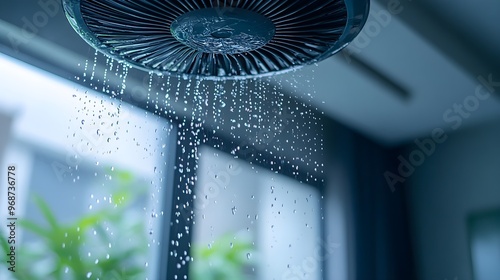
(123, 176)
(91, 220)
(45, 209)
(4, 244)
(38, 230)
(64, 245)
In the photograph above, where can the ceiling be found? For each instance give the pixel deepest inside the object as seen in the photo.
(475, 22)
(433, 68)
(393, 84)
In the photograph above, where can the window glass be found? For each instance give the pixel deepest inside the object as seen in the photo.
(251, 223)
(90, 185)
(484, 232)
(89, 179)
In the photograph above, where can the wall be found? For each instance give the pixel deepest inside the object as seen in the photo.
(460, 178)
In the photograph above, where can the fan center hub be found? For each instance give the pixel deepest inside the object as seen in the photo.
(223, 30)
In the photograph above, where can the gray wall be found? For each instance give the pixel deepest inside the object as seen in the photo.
(460, 178)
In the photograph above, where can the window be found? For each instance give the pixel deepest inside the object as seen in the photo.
(90, 179)
(251, 223)
(102, 192)
(484, 235)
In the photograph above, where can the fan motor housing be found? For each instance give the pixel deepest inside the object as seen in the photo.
(218, 39)
(211, 30)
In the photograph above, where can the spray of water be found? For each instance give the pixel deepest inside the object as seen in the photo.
(255, 115)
